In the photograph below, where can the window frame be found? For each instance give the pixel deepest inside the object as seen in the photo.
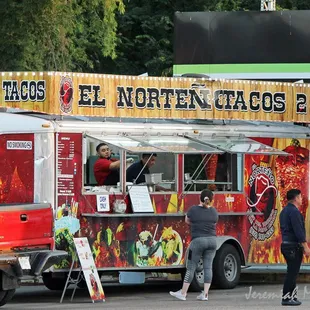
(239, 173)
(122, 154)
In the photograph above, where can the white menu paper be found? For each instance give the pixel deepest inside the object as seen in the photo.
(140, 199)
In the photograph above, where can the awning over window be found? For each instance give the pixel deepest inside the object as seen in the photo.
(157, 144)
(128, 144)
(188, 144)
(238, 145)
(178, 145)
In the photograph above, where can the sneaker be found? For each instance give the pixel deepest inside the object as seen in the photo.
(178, 295)
(291, 302)
(202, 296)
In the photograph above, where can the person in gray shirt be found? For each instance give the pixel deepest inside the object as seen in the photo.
(202, 220)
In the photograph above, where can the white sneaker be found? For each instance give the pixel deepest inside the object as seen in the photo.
(178, 295)
(202, 296)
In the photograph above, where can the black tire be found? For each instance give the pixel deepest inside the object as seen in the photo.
(226, 267)
(6, 296)
(53, 284)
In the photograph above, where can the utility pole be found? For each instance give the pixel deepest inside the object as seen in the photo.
(268, 5)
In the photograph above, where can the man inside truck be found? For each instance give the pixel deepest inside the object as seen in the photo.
(106, 169)
(147, 161)
(136, 171)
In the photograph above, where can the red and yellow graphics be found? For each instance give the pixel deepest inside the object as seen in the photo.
(90, 272)
(137, 241)
(17, 168)
(153, 97)
(161, 239)
(267, 180)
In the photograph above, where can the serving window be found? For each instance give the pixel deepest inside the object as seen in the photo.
(158, 164)
(224, 171)
(217, 172)
(173, 145)
(90, 157)
(209, 162)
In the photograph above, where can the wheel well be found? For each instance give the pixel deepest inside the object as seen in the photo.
(238, 247)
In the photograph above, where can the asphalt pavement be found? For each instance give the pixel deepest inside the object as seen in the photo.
(155, 295)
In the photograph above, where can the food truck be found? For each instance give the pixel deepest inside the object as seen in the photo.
(247, 141)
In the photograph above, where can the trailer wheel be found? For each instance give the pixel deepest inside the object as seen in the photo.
(6, 296)
(53, 284)
(226, 267)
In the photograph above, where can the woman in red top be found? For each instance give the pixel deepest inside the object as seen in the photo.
(106, 170)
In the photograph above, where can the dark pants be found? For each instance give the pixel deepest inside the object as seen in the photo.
(293, 254)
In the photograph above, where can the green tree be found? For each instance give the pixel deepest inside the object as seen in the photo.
(145, 41)
(96, 35)
(250, 5)
(294, 4)
(33, 34)
(57, 34)
(228, 5)
(145, 36)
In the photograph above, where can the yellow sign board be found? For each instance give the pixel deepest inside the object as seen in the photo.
(154, 97)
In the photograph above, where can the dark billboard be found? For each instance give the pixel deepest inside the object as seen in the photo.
(268, 38)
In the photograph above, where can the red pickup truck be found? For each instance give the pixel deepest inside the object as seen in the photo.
(26, 245)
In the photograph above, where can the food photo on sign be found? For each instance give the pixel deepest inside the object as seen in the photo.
(90, 272)
(94, 284)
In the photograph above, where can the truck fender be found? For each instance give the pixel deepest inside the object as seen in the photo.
(234, 242)
(44, 260)
(225, 240)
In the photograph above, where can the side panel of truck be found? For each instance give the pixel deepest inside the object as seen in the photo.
(267, 180)
(17, 168)
(22, 224)
(117, 241)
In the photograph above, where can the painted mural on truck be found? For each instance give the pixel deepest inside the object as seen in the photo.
(160, 240)
(267, 180)
(17, 168)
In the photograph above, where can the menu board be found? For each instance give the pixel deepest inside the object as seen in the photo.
(66, 165)
(140, 199)
(89, 269)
